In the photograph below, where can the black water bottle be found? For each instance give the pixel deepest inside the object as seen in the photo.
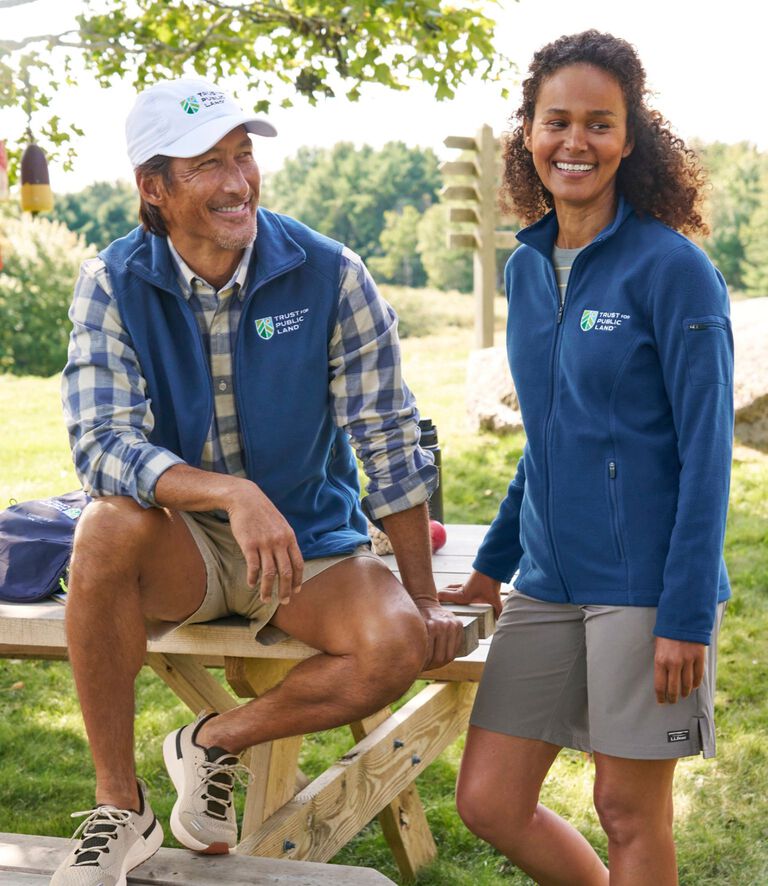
(429, 441)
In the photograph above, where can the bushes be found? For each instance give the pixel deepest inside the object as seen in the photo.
(41, 261)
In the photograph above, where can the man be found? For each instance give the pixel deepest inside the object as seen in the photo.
(221, 359)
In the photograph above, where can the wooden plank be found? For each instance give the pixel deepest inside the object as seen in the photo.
(462, 142)
(459, 167)
(462, 214)
(334, 807)
(191, 682)
(38, 857)
(469, 668)
(505, 239)
(461, 241)
(403, 821)
(460, 192)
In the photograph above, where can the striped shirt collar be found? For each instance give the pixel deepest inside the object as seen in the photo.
(188, 278)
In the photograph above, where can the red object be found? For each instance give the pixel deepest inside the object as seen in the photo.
(437, 535)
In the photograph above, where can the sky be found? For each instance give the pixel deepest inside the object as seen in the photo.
(705, 69)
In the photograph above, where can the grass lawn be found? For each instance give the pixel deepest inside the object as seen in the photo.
(722, 828)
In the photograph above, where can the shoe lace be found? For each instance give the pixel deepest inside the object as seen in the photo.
(217, 781)
(97, 830)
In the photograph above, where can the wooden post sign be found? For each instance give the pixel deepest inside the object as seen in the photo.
(485, 239)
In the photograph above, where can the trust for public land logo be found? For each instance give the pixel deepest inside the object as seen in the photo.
(588, 320)
(265, 327)
(190, 105)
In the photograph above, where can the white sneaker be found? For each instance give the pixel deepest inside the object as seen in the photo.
(111, 842)
(203, 817)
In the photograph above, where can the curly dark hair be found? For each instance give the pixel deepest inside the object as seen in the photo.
(661, 176)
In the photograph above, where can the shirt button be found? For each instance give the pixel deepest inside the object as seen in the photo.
(223, 385)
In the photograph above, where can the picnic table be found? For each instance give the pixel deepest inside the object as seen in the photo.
(286, 816)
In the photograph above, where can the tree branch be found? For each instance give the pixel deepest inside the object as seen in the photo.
(51, 39)
(6, 4)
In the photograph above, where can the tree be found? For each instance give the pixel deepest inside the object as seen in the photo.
(446, 268)
(316, 49)
(400, 262)
(101, 213)
(41, 259)
(738, 173)
(754, 266)
(345, 191)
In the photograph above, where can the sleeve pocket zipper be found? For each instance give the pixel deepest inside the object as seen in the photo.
(697, 327)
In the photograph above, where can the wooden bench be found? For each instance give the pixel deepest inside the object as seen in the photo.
(30, 861)
(287, 817)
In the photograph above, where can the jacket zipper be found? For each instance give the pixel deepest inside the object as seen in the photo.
(614, 508)
(561, 308)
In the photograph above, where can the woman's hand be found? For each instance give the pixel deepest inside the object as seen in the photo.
(478, 588)
(678, 668)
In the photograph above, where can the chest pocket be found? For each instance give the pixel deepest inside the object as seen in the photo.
(708, 346)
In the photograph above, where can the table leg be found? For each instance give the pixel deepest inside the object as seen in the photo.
(403, 821)
(274, 764)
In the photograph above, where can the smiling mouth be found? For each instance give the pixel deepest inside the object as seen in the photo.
(574, 167)
(238, 207)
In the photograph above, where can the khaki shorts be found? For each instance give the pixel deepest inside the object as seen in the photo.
(227, 590)
(582, 677)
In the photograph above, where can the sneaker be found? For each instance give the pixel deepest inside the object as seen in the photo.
(112, 842)
(203, 817)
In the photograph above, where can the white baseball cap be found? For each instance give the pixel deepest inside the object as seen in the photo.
(184, 118)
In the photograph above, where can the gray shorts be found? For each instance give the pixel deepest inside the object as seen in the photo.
(227, 591)
(582, 677)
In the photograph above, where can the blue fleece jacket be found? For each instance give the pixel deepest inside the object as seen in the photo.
(626, 393)
(293, 449)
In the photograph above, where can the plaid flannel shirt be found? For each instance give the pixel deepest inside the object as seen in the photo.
(109, 417)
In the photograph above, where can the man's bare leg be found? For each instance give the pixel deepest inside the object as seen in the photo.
(373, 644)
(129, 564)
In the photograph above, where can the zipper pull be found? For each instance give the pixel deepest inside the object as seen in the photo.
(560, 313)
(612, 470)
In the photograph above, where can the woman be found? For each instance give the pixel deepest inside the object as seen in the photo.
(620, 347)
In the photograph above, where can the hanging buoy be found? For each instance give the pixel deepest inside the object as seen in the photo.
(36, 193)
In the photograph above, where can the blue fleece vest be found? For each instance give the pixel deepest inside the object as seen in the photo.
(292, 448)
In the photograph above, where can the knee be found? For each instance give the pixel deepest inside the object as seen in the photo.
(109, 535)
(624, 819)
(390, 653)
(478, 808)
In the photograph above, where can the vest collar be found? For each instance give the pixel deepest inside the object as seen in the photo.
(275, 253)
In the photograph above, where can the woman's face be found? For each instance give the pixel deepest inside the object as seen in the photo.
(578, 137)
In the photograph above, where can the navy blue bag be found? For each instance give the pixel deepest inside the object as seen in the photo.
(35, 545)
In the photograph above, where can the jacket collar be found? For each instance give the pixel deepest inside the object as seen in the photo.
(541, 235)
(275, 252)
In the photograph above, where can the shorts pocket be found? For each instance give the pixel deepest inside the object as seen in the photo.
(708, 346)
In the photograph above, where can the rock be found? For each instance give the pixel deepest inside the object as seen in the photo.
(750, 390)
(492, 403)
(491, 399)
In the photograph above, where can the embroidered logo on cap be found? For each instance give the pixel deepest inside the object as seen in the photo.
(190, 105)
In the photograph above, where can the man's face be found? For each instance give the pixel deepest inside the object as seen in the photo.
(210, 207)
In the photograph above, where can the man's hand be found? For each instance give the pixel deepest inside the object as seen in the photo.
(444, 632)
(268, 543)
(678, 668)
(478, 588)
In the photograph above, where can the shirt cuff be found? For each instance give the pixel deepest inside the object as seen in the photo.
(149, 472)
(414, 490)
